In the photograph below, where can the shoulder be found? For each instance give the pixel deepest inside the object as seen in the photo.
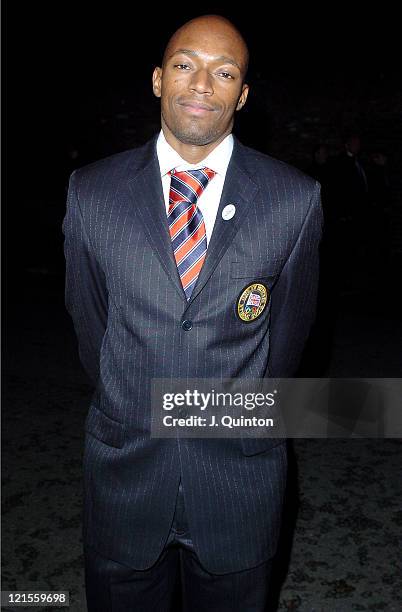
(286, 195)
(111, 170)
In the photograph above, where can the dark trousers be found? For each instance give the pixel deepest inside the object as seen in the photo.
(112, 587)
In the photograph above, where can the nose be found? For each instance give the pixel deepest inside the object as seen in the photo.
(201, 82)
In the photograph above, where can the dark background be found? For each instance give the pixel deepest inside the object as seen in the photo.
(79, 88)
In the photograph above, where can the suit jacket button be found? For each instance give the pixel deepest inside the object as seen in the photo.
(187, 325)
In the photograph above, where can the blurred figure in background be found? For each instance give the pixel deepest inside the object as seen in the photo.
(349, 192)
(380, 208)
(320, 169)
(318, 352)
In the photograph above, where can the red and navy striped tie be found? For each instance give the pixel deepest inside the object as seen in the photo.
(186, 223)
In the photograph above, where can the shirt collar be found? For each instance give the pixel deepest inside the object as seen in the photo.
(217, 160)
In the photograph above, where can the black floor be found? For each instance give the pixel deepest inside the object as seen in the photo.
(341, 540)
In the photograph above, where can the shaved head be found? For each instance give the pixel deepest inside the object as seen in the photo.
(216, 25)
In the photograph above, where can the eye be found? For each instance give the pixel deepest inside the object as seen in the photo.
(225, 75)
(182, 66)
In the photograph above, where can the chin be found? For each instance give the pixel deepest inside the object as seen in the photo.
(196, 137)
(195, 140)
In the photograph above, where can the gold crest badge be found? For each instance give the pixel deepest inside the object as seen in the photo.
(252, 302)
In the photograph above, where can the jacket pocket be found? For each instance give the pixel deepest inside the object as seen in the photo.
(255, 269)
(254, 446)
(105, 429)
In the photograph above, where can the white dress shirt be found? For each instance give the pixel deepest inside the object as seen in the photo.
(217, 160)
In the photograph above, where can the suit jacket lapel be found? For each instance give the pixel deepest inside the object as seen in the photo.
(148, 201)
(146, 197)
(240, 190)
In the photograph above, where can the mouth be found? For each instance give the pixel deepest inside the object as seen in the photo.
(196, 108)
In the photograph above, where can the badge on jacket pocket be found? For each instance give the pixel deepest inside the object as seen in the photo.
(252, 301)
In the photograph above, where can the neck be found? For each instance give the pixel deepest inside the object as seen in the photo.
(192, 154)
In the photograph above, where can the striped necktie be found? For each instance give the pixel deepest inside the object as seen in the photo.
(186, 223)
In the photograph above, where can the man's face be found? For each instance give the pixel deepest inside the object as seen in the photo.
(201, 83)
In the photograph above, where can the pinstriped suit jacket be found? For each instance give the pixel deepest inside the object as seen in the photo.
(127, 304)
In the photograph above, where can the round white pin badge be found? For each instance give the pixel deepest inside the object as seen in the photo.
(228, 212)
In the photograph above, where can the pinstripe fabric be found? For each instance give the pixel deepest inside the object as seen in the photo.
(127, 303)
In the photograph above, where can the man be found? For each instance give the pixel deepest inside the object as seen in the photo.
(154, 280)
(349, 192)
(350, 180)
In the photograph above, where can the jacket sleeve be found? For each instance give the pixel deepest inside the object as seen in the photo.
(86, 296)
(294, 296)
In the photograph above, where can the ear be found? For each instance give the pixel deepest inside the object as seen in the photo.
(243, 96)
(157, 81)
